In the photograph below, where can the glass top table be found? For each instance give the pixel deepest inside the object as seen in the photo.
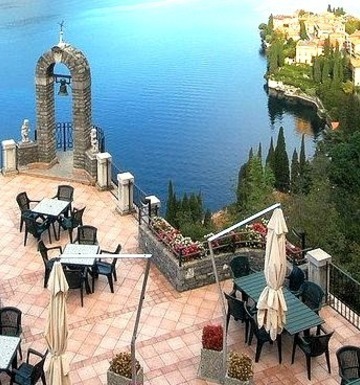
(72, 251)
(8, 349)
(51, 207)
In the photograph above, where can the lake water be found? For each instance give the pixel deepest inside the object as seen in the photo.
(177, 86)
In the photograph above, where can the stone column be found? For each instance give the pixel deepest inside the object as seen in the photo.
(9, 157)
(154, 204)
(318, 260)
(103, 170)
(125, 193)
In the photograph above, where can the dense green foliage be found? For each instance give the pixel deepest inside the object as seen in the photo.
(188, 215)
(281, 164)
(324, 193)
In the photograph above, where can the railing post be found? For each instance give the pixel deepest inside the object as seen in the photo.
(9, 165)
(125, 193)
(103, 170)
(154, 205)
(318, 260)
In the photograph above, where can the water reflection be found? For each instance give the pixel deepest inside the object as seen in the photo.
(306, 118)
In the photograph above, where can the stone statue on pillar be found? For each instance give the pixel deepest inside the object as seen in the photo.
(25, 129)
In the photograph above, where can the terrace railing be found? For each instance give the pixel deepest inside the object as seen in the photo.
(139, 206)
(343, 294)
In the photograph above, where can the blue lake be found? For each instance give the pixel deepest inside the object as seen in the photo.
(177, 86)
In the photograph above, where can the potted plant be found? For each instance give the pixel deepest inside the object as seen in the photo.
(239, 369)
(211, 360)
(120, 370)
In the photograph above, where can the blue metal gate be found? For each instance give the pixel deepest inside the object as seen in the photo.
(64, 136)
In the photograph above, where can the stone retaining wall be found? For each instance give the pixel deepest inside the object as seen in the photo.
(191, 274)
(27, 153)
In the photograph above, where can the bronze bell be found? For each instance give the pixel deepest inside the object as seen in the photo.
(63, 89)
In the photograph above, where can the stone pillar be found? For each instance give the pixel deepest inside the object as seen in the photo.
(125, 193)
(103, 170)
(318, 260)
(9, 157)
(154, 203)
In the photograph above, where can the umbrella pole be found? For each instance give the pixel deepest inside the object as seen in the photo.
(133, 339)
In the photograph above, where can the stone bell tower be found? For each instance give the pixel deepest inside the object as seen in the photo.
(79, 70)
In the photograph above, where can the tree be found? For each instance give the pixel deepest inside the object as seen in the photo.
(303, 34)
(317, 214)
(325, 74)
(257, 185)
(304, 170)
(171, 205)
(259, 153)
(281, 170)
(317, 70)
(270, 159)
(295, 173)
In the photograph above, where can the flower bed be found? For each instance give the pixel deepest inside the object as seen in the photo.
(186, 250)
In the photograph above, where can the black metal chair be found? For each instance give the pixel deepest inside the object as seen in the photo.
(348, 358)
(48, 263)
(34, 227)
(72, 222)
(313, 346)
(296, 279)
(312, 295)
(240, 266)
(10, 322)
(86, 235)
(261, 335)
(105, 268)
(28, 373)
(24, 203)
(76, 279)
(65, 193)
(236, 309)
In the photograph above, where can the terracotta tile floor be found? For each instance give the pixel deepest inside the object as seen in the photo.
(169, 340)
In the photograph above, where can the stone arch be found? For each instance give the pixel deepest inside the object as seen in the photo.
(79, 69)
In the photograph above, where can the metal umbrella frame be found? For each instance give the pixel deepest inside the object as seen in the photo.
(212, 256)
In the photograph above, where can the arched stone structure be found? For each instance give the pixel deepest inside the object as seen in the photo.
(79, 69)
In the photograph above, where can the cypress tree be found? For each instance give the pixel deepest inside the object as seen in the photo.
(171, 205)
(295, 173)
(241, 191)
(270, 159)
(281, 171)
(304, 170)
(317, 70)
(259, 153)
(325, 71)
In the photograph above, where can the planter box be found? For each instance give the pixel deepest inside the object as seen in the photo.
(116, 379)
(211, 365)
(235, 381)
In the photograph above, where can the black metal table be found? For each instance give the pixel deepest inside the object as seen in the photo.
(299, 317)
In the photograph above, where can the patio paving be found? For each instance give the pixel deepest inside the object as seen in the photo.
(169, 340)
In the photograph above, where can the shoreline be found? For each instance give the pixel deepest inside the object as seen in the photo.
(283, 91)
